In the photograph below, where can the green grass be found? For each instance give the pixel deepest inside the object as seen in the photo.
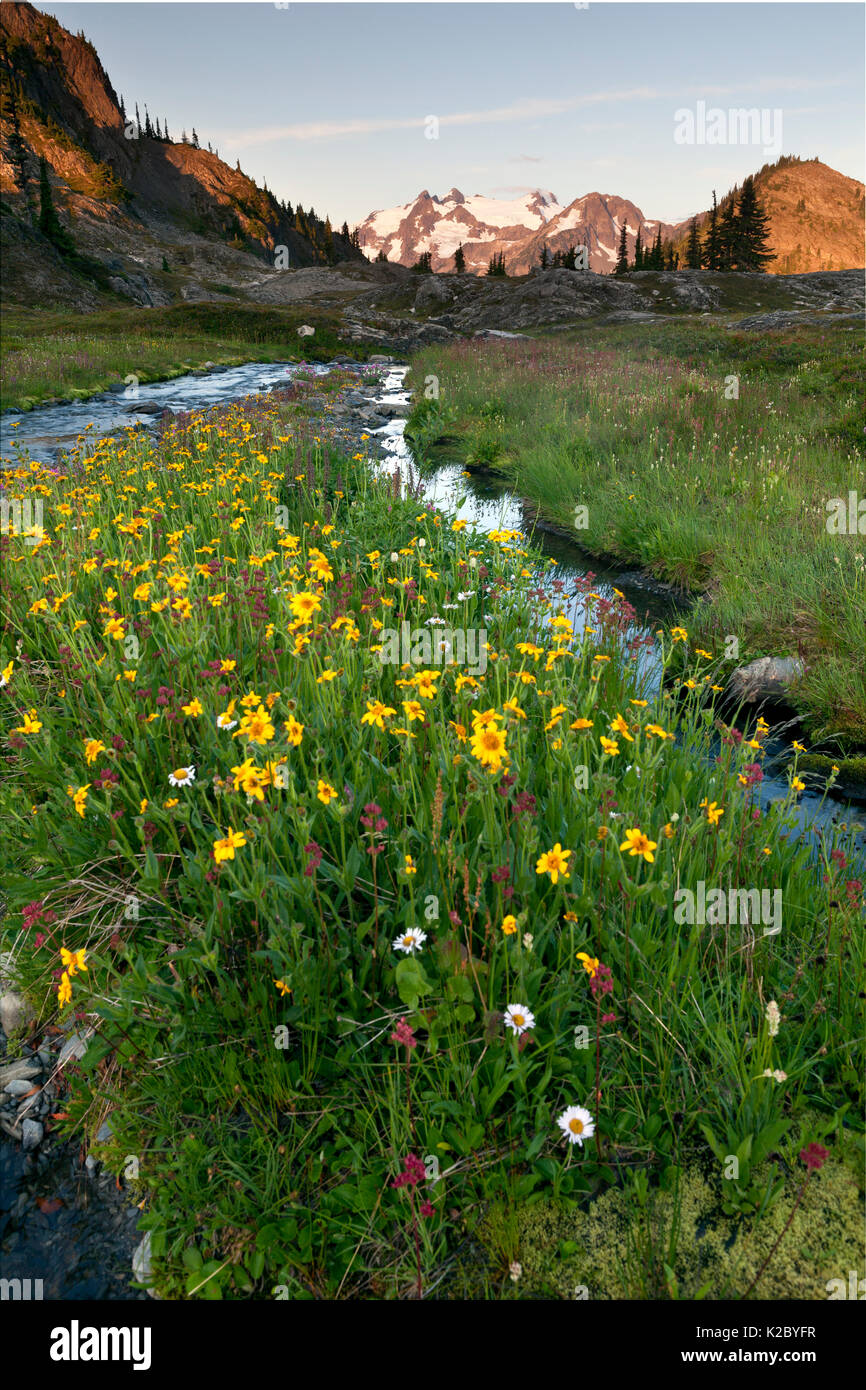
(722, 496)
(246, 1010)
(59, 355)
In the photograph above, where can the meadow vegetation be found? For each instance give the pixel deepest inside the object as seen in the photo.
(706, 456)
(50, 355)
(377, 964)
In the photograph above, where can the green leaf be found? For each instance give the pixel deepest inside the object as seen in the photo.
(411, 981)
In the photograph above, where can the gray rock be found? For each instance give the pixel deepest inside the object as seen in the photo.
(18, 1088)
(144, 408)
(142, 1268)
(31, 1134)
(395, 409)
(104, 1133)
(768, 678)
(497, 333)
(15, 1012)
(74, 1047)
(432, 294)
(380, 357)
(305, 331)
(26, 1068)
(7, 980)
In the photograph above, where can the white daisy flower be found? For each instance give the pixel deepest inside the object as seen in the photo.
(464, 596)
(448, 607)
(576, 1124)
(435, 622)
(223, 722)
(519, 1018)
(410, 941)
(182, 776)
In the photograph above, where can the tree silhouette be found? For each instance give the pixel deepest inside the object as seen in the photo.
(621, 266)
(693, 250)
(752, 250)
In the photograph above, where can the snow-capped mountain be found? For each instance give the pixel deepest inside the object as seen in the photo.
(518, 228)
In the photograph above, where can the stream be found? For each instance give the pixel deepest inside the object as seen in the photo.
(62, 1219)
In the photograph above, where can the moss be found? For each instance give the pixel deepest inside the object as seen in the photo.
(850, 769)
(617, 1250)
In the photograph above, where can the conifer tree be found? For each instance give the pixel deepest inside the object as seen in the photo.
(638, 251)
(621, 266)
(195, 144)
(710, 249)
(344, 231)
(728, 236)
(693, 250)
(328, 243)
(545, 257)
(657, 262)
(49, 223)
(17, 147)
(459, 260)
(752, 231)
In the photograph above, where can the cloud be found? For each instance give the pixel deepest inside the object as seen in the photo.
(525, 159)
(528, 109)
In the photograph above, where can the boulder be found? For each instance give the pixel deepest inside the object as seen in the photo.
(15, 1012)
(432, 294)
(767, 678)
(305, 331)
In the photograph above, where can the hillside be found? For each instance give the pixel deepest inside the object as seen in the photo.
(815, 223)
(816, 216)
(145, 208)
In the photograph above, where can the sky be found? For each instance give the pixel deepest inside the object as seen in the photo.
(331, 105)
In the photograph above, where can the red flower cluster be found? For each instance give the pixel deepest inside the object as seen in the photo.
(814, 1156)
(412, 1173)
(403, 1034)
